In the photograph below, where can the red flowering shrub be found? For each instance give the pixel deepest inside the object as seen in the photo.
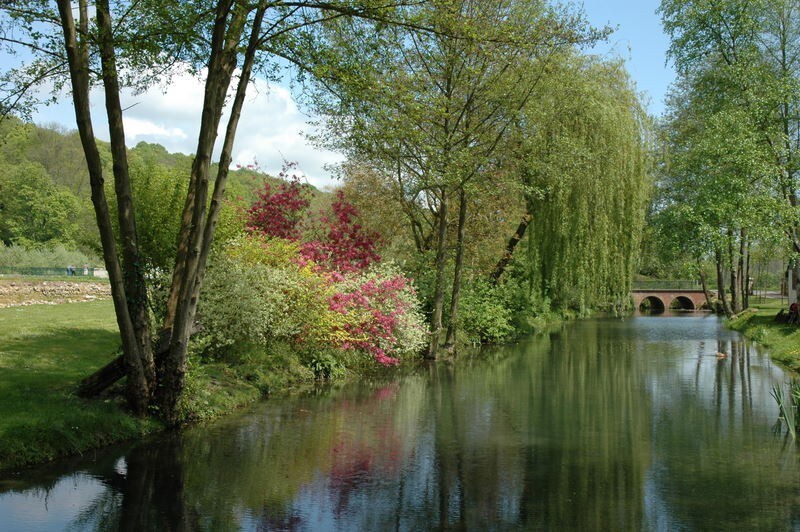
(345, 246)
(278, 212)
(336, 242)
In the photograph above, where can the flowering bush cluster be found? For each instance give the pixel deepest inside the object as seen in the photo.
(382, 313)
(262, 290)
(334, 240)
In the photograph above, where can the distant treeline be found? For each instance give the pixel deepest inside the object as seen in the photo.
(46, 214)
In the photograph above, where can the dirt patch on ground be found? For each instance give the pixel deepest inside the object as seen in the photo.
(19, 293)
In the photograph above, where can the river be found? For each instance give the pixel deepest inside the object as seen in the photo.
(605, 424)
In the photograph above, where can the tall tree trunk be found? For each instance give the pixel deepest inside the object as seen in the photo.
(745, 250)
(734, 280)
(722, 296)
(207, 135)
(450, 341)
(137, 390)
(704, 284)
(221, 66)
(133, 268)
(227, 148)
(438, 290)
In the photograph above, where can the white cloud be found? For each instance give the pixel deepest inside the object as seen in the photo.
(271, 128)
(136, 128)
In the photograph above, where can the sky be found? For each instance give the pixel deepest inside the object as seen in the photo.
(273, 127)
(640, 40)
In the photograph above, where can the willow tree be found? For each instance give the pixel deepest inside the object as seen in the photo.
(433, 112)
(583, 157)
(129, 44)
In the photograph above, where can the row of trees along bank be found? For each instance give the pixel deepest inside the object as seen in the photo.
(459, 118)
(728, 182)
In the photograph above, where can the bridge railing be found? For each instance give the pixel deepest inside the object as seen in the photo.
(667, 284)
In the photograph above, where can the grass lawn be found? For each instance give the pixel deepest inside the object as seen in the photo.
(782, 340)
(44, 351)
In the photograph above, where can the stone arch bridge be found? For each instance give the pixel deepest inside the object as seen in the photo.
(661, 299)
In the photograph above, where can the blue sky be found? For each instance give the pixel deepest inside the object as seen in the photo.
(273, 126)
(640, 40)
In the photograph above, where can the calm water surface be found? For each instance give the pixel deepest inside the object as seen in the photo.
(604, 425)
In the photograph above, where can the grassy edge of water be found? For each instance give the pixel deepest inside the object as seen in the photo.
(46, 349)
(41, 418)
(782, 340)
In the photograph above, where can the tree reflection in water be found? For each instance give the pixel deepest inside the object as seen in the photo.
(600, 425)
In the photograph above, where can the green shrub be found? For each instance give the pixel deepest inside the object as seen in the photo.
(487, 312)
(43, 256)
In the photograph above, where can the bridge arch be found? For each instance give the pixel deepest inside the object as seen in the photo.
(682, 303)
(660, 300)
(652, 304)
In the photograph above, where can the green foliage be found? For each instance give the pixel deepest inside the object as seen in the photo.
(326, 365)
(486, 314)
(730, 164)
(212, 390)
(33, 209)
(158, 195)
(787, 404)
(56, 256)
(246, 304)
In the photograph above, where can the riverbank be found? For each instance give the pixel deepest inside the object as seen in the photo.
(759, 325)
(45, 350)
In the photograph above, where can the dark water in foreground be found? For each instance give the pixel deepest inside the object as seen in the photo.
(605, 425)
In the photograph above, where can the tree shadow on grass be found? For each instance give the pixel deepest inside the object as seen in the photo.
(40, 373)
(56, 356)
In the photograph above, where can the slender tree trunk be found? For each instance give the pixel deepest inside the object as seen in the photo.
(137, 391)
(438, 291)
(734, 281)
(133, 268)
(227, 149)
(795, 284)
(746, 271)
(450, 341)
(740, 270)
(704, 284)
(207, 135)
(722, 296)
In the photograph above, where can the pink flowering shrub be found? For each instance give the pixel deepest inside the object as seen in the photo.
(381, 314)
